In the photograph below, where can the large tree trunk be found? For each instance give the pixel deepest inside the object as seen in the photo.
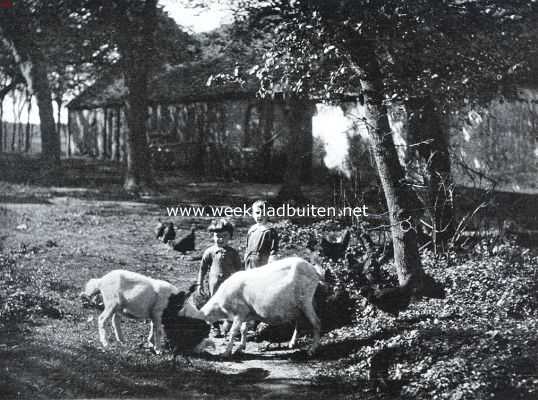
(32, 65)
(136, 47)
(429, 156)
(400, 198)
(1, 125)
(3, 92)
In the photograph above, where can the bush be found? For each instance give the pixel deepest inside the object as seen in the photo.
(25, 292)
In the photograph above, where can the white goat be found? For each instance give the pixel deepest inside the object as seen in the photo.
(281, 291)
(133, 294)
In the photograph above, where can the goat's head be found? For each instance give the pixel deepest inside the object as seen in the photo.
(189, 310)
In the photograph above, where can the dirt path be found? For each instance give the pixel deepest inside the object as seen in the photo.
(69, 240)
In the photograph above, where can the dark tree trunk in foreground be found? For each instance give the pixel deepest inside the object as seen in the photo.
(430, 156)
(3, 92)
(1, 126)
(400, 198)
(22, 39)
(136, 48)
(32, 65)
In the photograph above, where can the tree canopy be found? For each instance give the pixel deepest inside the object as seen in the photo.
(448, 49)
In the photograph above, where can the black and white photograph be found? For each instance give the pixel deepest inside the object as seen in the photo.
(269, 199)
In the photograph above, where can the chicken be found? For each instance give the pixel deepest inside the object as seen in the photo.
(391, 300)
(431, 288)
(335, 250)
(165, 231)
(186, 243)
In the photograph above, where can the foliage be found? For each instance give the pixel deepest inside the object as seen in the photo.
(479, 342)
(325, 46)
(26, 292)
(474, 344)
(79, 42)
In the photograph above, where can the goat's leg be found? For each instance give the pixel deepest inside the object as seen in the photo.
(116, 325)
(151, 334)
(244, 329)
(293, 339)
(233, 333)
(153, 337)
(225, 328)
(101, 321)
(157, 330)
(312, 317)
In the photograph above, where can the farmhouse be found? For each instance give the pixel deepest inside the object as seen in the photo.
(213, 130)
(225, 130)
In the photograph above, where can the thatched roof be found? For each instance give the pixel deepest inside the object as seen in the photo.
(183, 83)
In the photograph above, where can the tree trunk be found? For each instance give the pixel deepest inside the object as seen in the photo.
(110, 130)
(117, 133)
(28, 137)
(136, 48)
(1, 125)
(68, 134)
(104, 152)
(400, 198)
(430, 156)
(13, 132)
(3, 92)
(59, 120)
(32, 65)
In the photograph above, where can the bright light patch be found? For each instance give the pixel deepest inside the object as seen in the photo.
(197, 19)
(331, 125)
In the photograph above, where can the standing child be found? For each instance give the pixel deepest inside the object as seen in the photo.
(219, 260)
(262, 240)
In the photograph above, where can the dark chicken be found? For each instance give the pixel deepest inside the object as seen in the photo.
(335, 250)
(391, 300)
(186, 243)
(165, 231)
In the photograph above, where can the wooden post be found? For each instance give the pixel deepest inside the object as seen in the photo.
(117, 133)
(68, 133)
(104, 152)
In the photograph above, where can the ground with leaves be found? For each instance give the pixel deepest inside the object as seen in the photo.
(480, 342)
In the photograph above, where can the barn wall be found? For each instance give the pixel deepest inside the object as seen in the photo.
(499, 141)
(240, 138)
